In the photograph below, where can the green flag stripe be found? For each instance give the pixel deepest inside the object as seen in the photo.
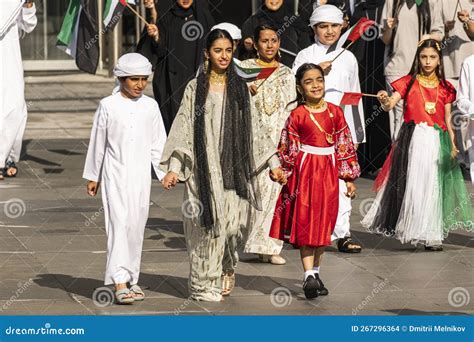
(69, 22)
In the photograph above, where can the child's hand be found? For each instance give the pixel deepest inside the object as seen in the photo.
(277, 175)
(326, 66)
(351, 190)
(454, 150)
(153, 32)
(92, 188)
(169, 180)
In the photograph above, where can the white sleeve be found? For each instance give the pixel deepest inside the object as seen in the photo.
(97, 144)
(355, 115)
(299, 60)
(158, 142)
(437, 25)
(27, 19)
(465, 100)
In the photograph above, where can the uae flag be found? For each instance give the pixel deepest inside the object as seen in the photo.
(113, 12)
(79, 35)
(252, 74)
(350, 99)
(353, 34)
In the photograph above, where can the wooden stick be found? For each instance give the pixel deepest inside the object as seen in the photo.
(456, 10)
(370, 95)
(340, 53)
(137, 14)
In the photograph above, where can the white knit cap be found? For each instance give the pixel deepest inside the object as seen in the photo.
(326, 14)
(233, 30)
(132, 64)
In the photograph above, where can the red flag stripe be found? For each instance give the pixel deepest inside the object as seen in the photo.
(360, 28)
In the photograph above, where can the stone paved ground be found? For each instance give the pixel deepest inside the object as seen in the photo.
(52, 241)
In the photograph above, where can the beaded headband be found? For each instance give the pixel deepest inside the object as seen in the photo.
(438, 47)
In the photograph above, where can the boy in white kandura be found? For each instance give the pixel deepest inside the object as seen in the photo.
(127, 136)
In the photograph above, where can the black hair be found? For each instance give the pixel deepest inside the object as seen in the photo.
(416, 66)
(424, 19)
(299, 77)
(236, 161)
(260, 28)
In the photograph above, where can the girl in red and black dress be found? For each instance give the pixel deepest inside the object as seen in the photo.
(315, 150)
(422, 195)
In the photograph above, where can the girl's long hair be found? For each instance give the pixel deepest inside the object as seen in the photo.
(236, 158)
(300, 99)
(417, 69)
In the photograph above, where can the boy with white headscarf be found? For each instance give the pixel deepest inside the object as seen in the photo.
(341, 76)
(127, 136)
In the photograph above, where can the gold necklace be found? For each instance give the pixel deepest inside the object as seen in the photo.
(329, 136)
(428, 81)
(316, 106)
(272, 64)
(217, 79)
(430, 107)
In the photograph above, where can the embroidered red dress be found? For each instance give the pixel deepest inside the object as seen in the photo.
(306, 210)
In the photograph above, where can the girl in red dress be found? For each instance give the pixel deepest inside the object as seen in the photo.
(422, 195)
(315, 150)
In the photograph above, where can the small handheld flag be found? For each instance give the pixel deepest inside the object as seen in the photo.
(352, 99)
(252, 74)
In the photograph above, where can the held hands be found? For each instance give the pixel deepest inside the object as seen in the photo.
(92, 188)
(169, 180)
(277, 175)
(153, 32)
(351, 190)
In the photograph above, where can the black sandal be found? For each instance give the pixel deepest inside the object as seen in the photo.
(10, 165)
(437, 248)
(344, 243)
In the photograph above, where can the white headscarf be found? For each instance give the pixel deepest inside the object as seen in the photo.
(131, 64)
(326, 14)
(233, 30)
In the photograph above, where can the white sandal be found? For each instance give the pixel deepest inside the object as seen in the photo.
(138, 293)
(122, 296)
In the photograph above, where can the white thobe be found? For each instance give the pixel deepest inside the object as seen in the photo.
(343, 77)
(465, 103)
(127, 137)
(12, 97)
